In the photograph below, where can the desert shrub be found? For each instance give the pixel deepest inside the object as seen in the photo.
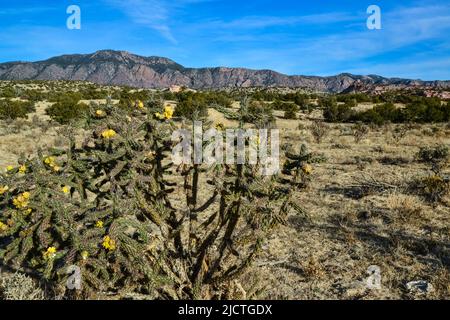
(369, 116)
(93, 92)
(283, 105)
(319, 130)
(128, 98)
(107, 207)
(360, 131)
(334, 112)
(12, 109)
(168, 95)
(8, 92)
(394, 161)
(312, 268)
(436, 157)
(433, 188)
(425, 110)
(436, 154)
(67, 111)
(38, 122)
(257, 112)
(18, 286)
(388, 112)
(18, 125)
(361, 162)
(191, 105)
(60, 96)
(33, 95)
(218, 98)
(351, 103)
(379, 114)
(265, 95)
(356, 97)
(290, 111)
(399, 132)
(302, 100)
(278, 105)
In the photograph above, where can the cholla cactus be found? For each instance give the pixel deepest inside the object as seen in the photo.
(109, 208)
(299, 166)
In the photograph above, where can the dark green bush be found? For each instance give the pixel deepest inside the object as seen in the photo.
(33, 95)
(58, 96)
(423, 110)
(369, 116)
(380, 114)
(299, 98)
(278, 105)
(8, 92)
(436, 154)
(168, 95)
(12, 109)
(67, 111)
(191, 105)
(218, 98)
(334, 112)
(127, 98)
(357, 97)
(436, 157)
(92, 92)
(428, 110)
(302, 101)
(259, 113)
(290, 111)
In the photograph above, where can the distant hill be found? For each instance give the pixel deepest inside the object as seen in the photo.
(123, 68)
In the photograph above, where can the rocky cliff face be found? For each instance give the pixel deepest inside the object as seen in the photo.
(123, 68)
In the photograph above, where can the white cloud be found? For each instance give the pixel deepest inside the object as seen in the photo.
(155, 14)
(21, 11)
(342, 50)
(255, 22)
(150, 13)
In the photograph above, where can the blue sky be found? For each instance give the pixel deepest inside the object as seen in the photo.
(323, 37)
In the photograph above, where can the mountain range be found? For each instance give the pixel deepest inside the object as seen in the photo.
(111, 67)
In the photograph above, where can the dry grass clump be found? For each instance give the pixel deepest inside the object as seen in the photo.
(18, 286)
(441, 283)
(433, 188)
(406, 208)
(312, 268)
(436, 157)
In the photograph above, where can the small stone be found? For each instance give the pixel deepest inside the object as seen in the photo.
(420, 286)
